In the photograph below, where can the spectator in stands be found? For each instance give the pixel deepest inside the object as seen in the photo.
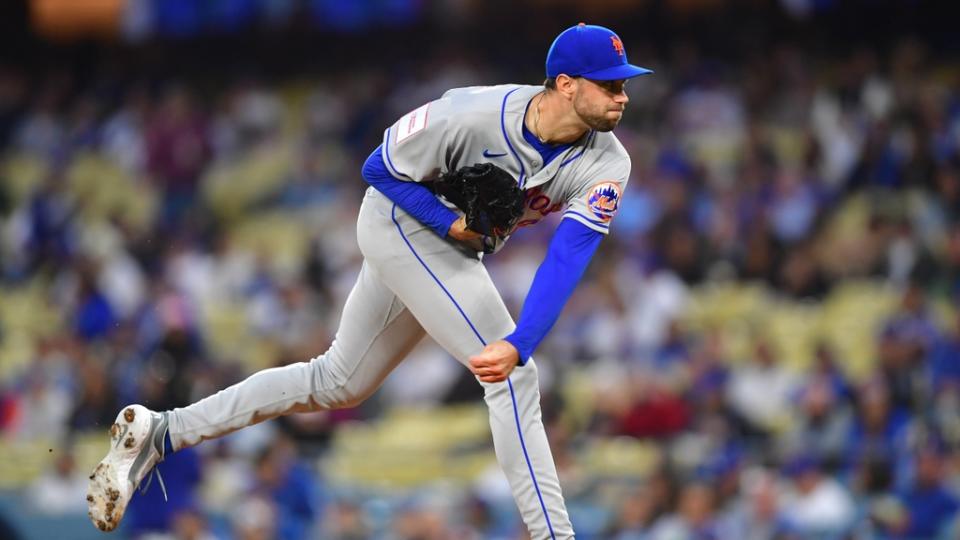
(695, 517)
(191, 524)
(61, 489)
(822, 424)
(816, 505)
(178, 150)
(344, 520)
(943, 367)
(948, 271)
(908, 336)
(96, 401)
(930, 508)
(762, 391)
(254, 518)
(757, 514)
(635, 516)
(282, 479)
(878, 428)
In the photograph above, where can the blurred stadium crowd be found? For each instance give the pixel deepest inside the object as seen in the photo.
(767, 346)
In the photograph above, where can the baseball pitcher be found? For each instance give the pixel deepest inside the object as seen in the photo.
(450, 182)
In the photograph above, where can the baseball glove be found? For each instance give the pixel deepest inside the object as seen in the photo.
(489, 197)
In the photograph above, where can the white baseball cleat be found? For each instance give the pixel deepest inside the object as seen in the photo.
(136, 446)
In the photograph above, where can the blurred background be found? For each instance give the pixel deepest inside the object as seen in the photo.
(767, 346)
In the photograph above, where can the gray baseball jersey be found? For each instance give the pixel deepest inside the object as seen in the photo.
(485, 123)
(414, 283)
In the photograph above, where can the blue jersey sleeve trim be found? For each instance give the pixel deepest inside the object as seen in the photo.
(580, 153)
(567, 257)
(386, 159)
(414, 198)
(548, 152)
(503, 128)
(602, 225)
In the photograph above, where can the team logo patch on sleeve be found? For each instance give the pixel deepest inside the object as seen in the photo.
(603, 200)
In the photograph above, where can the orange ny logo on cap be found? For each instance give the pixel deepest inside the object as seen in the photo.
(617, 44)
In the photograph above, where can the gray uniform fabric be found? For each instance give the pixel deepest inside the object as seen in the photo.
(485, 124)
(413, 282)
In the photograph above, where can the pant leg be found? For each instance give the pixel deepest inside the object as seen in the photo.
(451, 294)
(376, 332)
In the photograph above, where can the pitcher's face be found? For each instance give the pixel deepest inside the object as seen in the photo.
(600, 104)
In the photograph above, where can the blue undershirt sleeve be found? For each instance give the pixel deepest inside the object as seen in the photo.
(414, 198)
(570, 250)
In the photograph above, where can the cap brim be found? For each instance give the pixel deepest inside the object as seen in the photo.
(623, 71)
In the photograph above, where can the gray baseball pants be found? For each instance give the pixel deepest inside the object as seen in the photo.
(412, 282)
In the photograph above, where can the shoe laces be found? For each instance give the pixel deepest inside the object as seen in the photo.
(154, 472)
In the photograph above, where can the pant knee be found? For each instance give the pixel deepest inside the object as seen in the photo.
(348, 398)
(336, 390)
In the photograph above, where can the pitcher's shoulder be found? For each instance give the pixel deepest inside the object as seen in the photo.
(481, 94)
(607, 146)
(486, 99)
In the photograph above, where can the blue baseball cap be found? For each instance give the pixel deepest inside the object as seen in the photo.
(590, 51)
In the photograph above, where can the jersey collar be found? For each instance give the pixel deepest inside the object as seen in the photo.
(511, 118)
